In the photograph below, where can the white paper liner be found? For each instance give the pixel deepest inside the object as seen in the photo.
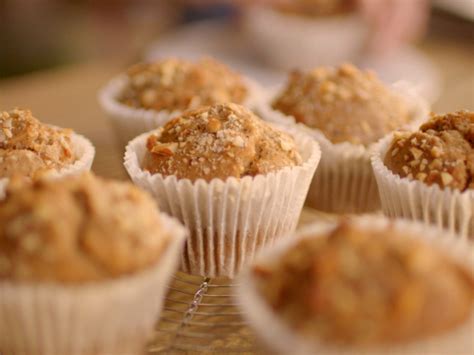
(84, 152)
(447, 208)
(290, 41)
(344, 181)
(229, 220)
(129, 122)
(282, 339)
(109, 317)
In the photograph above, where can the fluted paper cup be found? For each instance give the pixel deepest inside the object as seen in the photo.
(129, 122)
(84, 152)
(344, 181)
(229, 220)
(283, 339)
(110, 317)
(446, 208)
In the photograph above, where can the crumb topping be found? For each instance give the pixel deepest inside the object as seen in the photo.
(361, 287)
(316, 8)
(345, 103)
(28, 147)
(174, 84)
(441, 152)
(76, 230)
(220, 141)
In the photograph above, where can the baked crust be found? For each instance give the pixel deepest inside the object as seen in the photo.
(29, 148)
(345, 103)
(362, 287)
(441, 152)
(220, 141)
(174, 84)
(77, 229)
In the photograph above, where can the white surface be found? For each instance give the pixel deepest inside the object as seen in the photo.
(225, 42)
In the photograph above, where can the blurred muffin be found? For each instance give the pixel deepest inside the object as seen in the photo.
(29, 148)
(428, 174)
(175, 84)
(316, 8)
(346, 110)
(220, 141)
(70, 249)
(67, 232)
(357, 286)
(441, 152)
(364, 285)
(237, 182)
(150, 94)
(346, 104)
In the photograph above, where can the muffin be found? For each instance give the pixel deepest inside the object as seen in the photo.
(76, 268)
(428, 174)
(365, 285)
(346, 110)
(344, 103)
(219, 142)
(307, 33)
(236, 182)
(149, 94)
(29, 148)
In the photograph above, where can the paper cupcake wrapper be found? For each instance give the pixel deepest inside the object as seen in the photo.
(344, 181)
(450, 209)
(129, 122)
(290, 41)
(229, 220)
(82, 149)
(110, 317)
(283, 339)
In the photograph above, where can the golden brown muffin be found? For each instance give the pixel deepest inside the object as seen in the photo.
(362, 287)
(76, 230)
(174, 84)
(28, 147)
(345, 103)
(441, 152)
(220, 141)
(316, 8)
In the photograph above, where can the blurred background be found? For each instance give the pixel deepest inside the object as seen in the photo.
(55, 55)
(420, 41)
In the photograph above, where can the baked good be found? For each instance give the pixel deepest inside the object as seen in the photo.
(345, 103)
(77, 230)
(84, 266)
(29, 148)
(175, 84)
(236, 182)
(441, 152)
(316, 8)
(219, 141)
(359, 286)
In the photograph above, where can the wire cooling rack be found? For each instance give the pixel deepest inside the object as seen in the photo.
(201, 315)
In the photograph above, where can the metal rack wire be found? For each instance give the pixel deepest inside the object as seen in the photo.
(200, 315)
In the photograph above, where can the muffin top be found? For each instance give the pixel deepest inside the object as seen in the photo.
(219, 141)
(77, 230)
(345, 103)
(441, 152)
(362, 287)
(28, 147)
(174, 84)
(316, 8)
